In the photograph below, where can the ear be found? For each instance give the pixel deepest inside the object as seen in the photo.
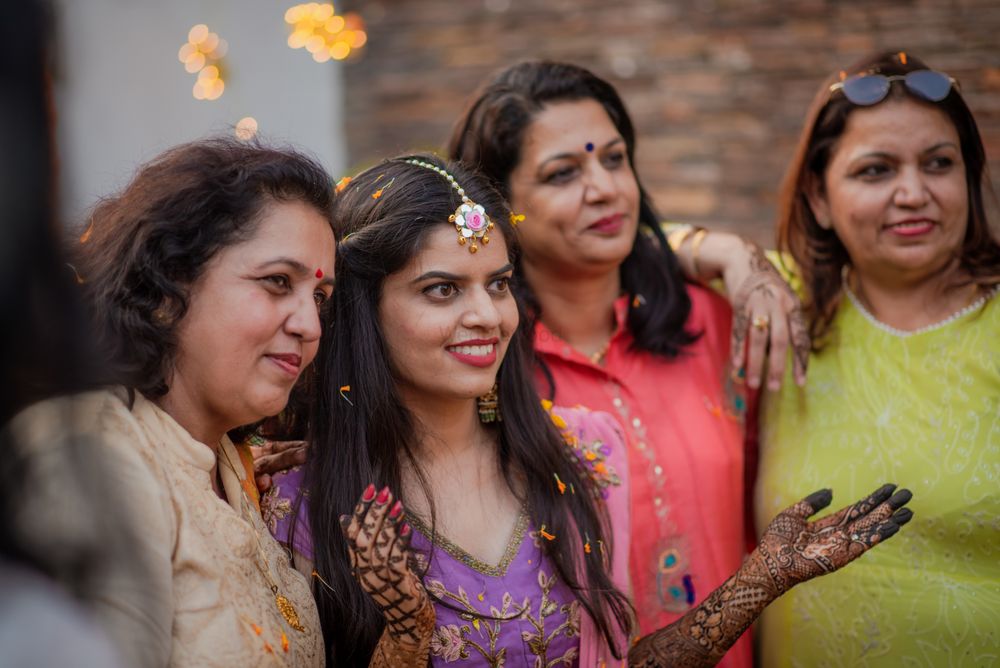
(816, 195)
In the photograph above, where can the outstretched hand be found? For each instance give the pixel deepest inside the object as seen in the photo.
(378, 540)
(794, 550)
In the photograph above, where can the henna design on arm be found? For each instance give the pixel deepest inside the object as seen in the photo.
(378, 541)
(792, 550)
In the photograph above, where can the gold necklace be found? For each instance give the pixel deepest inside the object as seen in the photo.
(284, 606)
(598, 356)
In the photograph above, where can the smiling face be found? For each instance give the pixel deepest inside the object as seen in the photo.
(895, 192)
(576, 189)
(253, 323)
(447, 318)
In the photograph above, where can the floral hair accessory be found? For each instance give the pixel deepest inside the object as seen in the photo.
(471, 220)
(342, 183)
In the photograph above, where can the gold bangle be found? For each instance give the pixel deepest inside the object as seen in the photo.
(696, 240)
(677, 237)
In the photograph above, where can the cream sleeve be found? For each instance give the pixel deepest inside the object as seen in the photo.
(124, 519)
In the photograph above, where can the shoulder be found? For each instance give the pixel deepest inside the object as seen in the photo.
(285, 507)
(94, 414)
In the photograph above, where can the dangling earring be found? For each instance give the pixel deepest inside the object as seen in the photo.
(489, 407)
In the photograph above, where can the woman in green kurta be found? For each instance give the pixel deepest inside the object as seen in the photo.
(883, 215)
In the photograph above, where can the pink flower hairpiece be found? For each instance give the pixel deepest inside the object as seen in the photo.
(471, 220)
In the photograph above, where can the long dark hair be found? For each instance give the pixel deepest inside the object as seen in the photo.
(145, 247)
(488, 136)
(818, 253)
(372, 437)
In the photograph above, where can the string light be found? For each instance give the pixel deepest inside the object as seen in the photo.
(202, 55)
(318, 29)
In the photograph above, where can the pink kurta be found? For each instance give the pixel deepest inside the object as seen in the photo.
(683, 425)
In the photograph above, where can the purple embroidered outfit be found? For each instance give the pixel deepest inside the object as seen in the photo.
(516, 612)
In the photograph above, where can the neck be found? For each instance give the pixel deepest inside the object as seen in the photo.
(449, 430)
(189, 414)
(909, 303)
(579, 309)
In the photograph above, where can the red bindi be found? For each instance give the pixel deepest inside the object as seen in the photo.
(319, 273)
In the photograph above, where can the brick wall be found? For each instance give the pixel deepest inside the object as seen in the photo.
(717, 88)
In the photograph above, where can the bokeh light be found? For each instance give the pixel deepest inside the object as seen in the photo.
(202, 55)
(322, 32)
(246, 128)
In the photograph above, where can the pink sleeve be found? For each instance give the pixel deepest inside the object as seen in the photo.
(600, 431)
(286, 511)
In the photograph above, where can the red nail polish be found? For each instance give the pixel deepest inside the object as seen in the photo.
(397, 510)
(383, 496)
(369, 493)
(405, 530)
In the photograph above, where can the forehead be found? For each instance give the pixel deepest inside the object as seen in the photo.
(567, 127)
(441, 252)
(897, 126)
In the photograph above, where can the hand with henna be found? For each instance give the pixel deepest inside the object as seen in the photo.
(378, 540)
(767, 319)
(792, 550)
(270, 457)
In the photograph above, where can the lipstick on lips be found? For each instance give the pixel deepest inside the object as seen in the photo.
(609, 224)
(290, 363)
(475, 352)
(911, 227)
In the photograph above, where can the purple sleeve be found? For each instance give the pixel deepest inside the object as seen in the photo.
(286, 511)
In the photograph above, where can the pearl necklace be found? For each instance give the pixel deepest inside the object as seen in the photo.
(902, 333)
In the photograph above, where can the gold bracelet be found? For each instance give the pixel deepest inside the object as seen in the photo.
(677, 237)
(696, 240)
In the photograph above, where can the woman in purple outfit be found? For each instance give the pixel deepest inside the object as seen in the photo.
(513, 548)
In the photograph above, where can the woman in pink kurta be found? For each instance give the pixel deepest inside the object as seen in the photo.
(617, 328)
(685, 453)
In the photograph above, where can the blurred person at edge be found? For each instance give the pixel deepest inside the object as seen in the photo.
(883, 212)
(48, 583)
(618, 329)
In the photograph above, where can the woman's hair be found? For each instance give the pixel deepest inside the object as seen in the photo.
(145, 248)
(372, 437)
(818, 253)
(489, 136)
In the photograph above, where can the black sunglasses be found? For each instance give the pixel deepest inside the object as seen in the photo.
(868, 89)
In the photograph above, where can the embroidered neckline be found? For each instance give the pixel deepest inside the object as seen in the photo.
(902, 333)
(478, 565)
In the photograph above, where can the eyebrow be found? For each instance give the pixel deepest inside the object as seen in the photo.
(296, 267)
(565, 156)
(889, 156)
(444, 275)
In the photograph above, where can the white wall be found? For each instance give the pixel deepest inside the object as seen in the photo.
(122, 96)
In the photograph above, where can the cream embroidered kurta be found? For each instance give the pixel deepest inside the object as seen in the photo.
(204, 599)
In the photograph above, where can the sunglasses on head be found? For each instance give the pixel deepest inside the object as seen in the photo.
(868, 89)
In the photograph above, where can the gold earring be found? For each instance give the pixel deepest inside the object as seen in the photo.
(489, 407)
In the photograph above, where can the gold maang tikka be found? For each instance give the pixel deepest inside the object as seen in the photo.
(471, 220)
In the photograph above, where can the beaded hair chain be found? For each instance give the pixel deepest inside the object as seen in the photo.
(470, 219)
